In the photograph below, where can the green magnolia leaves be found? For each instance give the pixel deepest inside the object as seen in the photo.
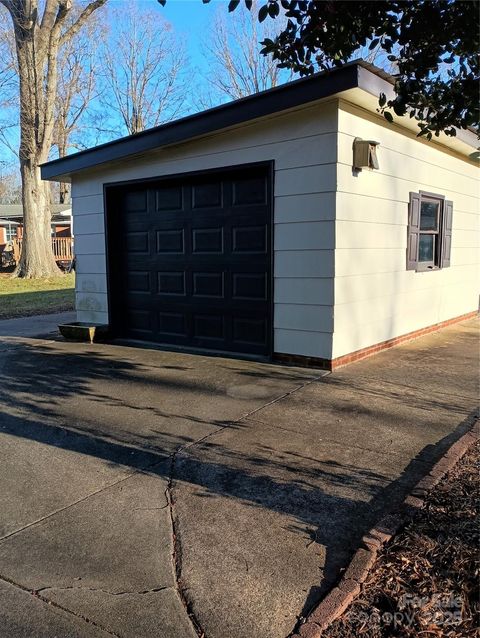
(432, 45)
(263, 13)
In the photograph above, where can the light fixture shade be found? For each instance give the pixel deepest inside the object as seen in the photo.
(365, 154)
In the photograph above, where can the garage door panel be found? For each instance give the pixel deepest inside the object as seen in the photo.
(207, 195)
(139, 320)
(171, 282)
(249, 331)
(138, 281)
(209, 326)
(195, 266)
(170, 241)
(137, 242)
(249, 191)
(208, 284)
(249, 239)
(172, 323)
(251, 286)
(208, 240)
(169, 198)
(136, 201)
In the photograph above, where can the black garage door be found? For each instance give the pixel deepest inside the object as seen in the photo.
(190, 260)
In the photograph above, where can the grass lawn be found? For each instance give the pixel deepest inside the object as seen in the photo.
(25, 297)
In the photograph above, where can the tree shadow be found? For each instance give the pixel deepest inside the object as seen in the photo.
(45, 388)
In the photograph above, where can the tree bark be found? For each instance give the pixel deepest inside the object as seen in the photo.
(64, 193)
(37, 259)
(37, 42)
(64, 187)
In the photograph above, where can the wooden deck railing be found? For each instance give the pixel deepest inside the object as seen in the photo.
(62, 248)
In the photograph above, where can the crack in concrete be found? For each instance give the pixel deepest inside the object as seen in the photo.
(176, 554)
(103, 591)
(52, 603)
(176, 548)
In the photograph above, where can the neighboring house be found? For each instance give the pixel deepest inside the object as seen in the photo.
(11, 221)
(8, 231)
(247, 229)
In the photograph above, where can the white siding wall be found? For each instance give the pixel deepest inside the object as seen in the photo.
(303, 145)
(376, 298)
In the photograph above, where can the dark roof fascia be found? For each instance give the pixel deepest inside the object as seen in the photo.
(355, 74)
(287, 96)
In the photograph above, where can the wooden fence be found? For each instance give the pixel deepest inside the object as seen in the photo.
(62, 248)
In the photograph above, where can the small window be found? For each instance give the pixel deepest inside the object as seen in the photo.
(10, 232)
(429, 232)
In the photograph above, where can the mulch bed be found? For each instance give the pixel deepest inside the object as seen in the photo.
(425, 582)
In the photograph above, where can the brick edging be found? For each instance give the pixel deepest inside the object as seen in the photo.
(348, 588)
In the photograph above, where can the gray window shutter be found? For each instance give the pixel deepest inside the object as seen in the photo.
(413, 231)
(446, 234)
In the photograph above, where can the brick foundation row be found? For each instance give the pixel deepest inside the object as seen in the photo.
(333, 364)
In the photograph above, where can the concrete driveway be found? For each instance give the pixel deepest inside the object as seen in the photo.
(155, 494)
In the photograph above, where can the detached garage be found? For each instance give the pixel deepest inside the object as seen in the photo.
(296, 224)
(190, 259)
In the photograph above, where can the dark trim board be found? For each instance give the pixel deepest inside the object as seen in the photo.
(281, 98)
(355, 74)
(116, 289)
(188, 174)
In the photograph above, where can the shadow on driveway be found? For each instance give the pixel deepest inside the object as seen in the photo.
(143, 410)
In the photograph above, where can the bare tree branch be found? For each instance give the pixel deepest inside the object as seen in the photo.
(142, 68)
(236, 67)
(77, 74)
(82, 18)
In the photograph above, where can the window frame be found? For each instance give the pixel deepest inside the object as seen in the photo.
(441, 247)
(437, 234)
(10, 232)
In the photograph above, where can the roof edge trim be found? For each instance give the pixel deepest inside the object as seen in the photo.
(268, 102)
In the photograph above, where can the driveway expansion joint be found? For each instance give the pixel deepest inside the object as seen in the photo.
(176, 560)
(52, 603)
(62, 509)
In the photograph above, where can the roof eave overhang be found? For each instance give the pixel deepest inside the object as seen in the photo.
(355, 75)
(282, 98)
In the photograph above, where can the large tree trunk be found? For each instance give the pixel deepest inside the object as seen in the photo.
(37, 259)
(38, 40)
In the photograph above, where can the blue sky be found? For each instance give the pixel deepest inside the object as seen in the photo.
(190, 20)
